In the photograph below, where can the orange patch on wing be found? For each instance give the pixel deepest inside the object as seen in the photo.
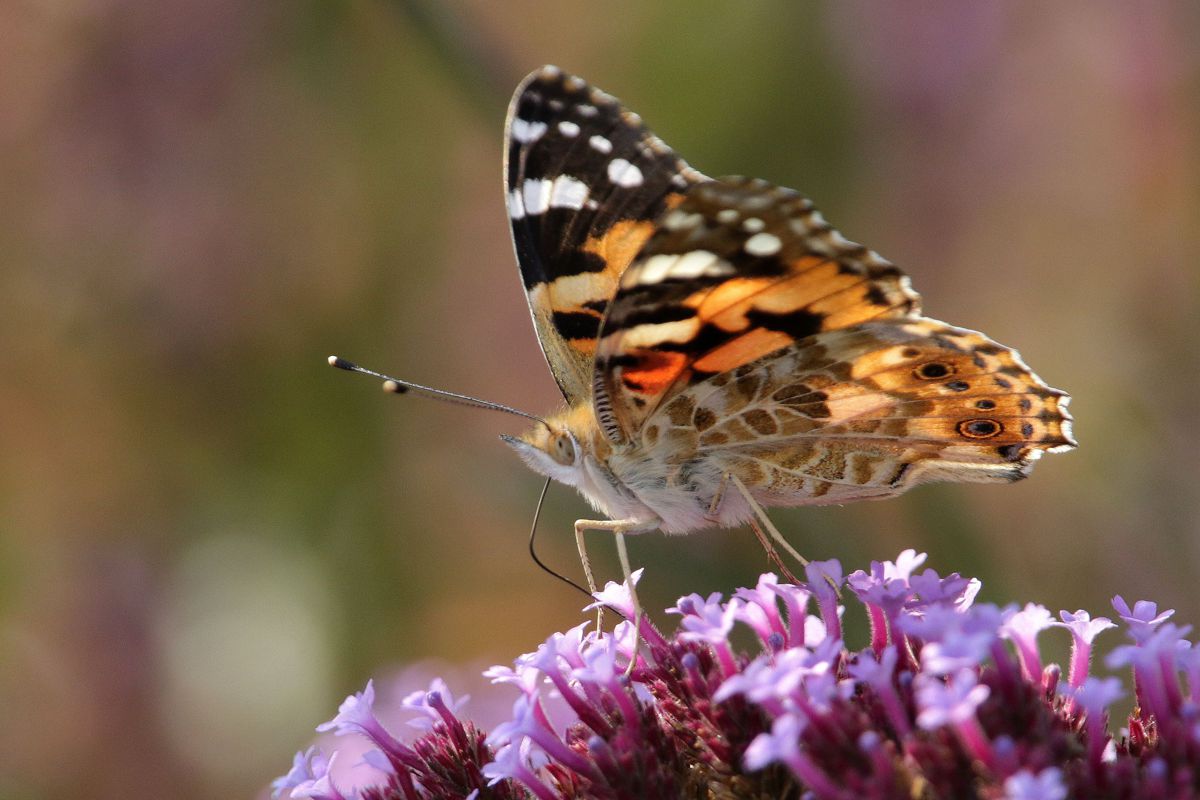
(814, 279)
(712, 304)
(850, 308)
(818, 280)
(620, 244)
(655, 372)
(746, 348)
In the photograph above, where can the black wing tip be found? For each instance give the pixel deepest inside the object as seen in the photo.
(549, 82)
(546, 72)
(540, 78)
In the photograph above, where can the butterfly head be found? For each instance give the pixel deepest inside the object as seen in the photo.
(560, 447)
(551, 450)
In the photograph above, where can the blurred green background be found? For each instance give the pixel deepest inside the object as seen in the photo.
(209, 537)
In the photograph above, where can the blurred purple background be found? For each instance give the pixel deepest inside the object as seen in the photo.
(208, 537)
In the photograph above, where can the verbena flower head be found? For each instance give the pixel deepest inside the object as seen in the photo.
(950, 698)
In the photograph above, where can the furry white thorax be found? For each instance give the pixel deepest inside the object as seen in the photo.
(631, 485)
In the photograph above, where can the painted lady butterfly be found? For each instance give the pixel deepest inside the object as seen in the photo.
(707, 331)
(713, 335)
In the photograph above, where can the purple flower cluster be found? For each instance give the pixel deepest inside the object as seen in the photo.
(950, 699)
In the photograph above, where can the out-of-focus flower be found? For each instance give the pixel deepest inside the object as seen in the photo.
(949, 699)
(1045, 785)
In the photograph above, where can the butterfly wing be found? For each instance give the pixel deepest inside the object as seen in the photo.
(865, 412)
(738, 270)
(584, 180)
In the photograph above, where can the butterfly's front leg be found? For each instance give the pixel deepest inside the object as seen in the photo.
(714, 506)
(619, 527)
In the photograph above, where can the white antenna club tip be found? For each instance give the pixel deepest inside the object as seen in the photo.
(392, 386)
(333, 361)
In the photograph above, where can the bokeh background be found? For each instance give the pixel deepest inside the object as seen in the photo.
(208, 537)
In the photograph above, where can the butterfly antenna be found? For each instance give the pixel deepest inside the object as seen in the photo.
(397, 386)
(537, 512)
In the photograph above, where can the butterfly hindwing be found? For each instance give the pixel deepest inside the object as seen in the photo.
(584, 179)
(866, 412)
(737, 270)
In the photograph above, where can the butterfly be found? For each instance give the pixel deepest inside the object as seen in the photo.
(721, 348)
(715, 332)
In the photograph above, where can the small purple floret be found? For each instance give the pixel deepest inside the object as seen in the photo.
(1143, 618)
(1045, 785)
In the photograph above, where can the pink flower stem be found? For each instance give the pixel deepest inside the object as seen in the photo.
(813, 776)
(894, 710)
(1170, 682)
(1097, 739)
(725, 658)
(879, 629)
(1081, 656)
(533, 783)
(629, 709)
(971, 734)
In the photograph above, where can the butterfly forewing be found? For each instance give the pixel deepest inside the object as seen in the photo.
(585, 180)
(736, 271)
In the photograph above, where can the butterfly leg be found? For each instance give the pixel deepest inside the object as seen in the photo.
(587, 566)
(619, 527)
(772, 553)
(623, 555)
(715, 505)
(766, 523)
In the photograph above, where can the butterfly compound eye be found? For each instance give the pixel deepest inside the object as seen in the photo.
(563, 450)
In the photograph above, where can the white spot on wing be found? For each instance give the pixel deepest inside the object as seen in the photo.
(536, 196)
(622, 173)
(727, 215)
(516, 205)
(800, 227)
(678, 220)
(652, 334)
(839, 241)
(598, 142)
(753, 225)
(568, 128)
(762, 244)
(582, 288)
(697, 263)
(653, 271)
(586, 110)
(568, 192)
(526, 132)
